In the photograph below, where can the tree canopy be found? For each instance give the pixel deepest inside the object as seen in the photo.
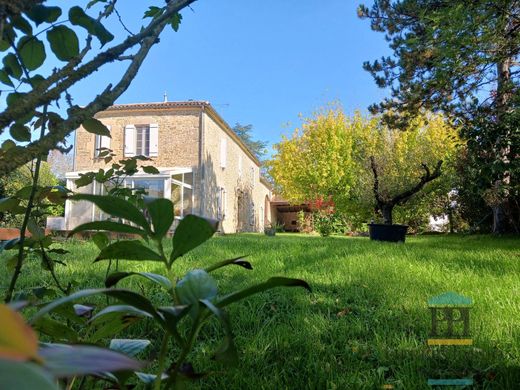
(257, 147)
(459, 58)
(330, 157)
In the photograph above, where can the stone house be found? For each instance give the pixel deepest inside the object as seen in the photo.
(205, 169)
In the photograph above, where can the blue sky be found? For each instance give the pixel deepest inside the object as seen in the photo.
(257, 62)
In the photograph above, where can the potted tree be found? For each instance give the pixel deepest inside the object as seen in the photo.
(385, 203)
(400, 166)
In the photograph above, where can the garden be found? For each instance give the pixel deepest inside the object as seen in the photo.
(141, 299)
(364, 324)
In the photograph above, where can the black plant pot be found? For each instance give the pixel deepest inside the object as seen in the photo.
(391, 233)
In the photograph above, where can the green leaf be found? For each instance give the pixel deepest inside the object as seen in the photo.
(21, 24)
(115, 311)
(129, 347)
(94, 126)
(191, 232)
(64, 42)
(14, 97)
(56, 329)
(112, 325)
(20, 132)
(18, 375)
(227, 350)
(151, 170)
(101, 240)
(8, 144)
(4, 78)
(115, 277)
(108, 226)
(12, 66)
(116, 207)
(40, 13)
(161, 213)
(24, 192)
(236, 261)
(6, 204)
(32, 52)
(173, 314)
(78, 17)
(128, 250)
(153, 12)
(71, 360)
(267, 285)
(126, 296)
(196, 285)
(175, 21)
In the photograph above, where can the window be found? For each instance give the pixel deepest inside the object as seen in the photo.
(142, 144)
(182, 194)
(223, 152)
(153, 187)
(141, 140)
(221, 203)
(100, 142)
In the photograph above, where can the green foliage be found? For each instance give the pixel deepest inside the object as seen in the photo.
(196, 293)
(356, 286)
(327, 223)
(461, 59)
(258, 148)
(331, 158)
(16, 187)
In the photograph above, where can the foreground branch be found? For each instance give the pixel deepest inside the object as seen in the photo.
(15, 157)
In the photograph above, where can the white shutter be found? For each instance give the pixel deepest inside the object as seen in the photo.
(154, 140)
(240, 165)
(130, 141)
(223, 152)
(105, 141)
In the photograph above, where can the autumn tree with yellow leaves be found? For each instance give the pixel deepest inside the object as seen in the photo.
(366, 167)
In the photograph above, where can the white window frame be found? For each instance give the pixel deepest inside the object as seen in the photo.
(183, 185)
(101, 141)
(145, 131)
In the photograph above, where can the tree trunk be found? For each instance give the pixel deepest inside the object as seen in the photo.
(502, 104)
(386, 210)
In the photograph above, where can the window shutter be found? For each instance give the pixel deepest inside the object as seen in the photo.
(105, 141)
(154, 140)
(130, 138)
(223, 152)
(240, 165)
(97, 144)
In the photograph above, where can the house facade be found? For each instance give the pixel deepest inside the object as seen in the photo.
(205, 169)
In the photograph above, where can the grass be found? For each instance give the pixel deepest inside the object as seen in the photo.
(364, 325)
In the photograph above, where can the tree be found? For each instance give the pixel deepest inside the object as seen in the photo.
(316, 162)
(258, 148)
(20, 180)
(459, 58)
(33, 95)
(364, 166)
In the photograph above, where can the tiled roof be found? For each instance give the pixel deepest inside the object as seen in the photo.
(158, 105)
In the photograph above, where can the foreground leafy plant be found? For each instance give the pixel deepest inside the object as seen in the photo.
(194, 299)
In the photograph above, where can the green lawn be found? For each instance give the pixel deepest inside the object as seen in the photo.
(365, 323)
